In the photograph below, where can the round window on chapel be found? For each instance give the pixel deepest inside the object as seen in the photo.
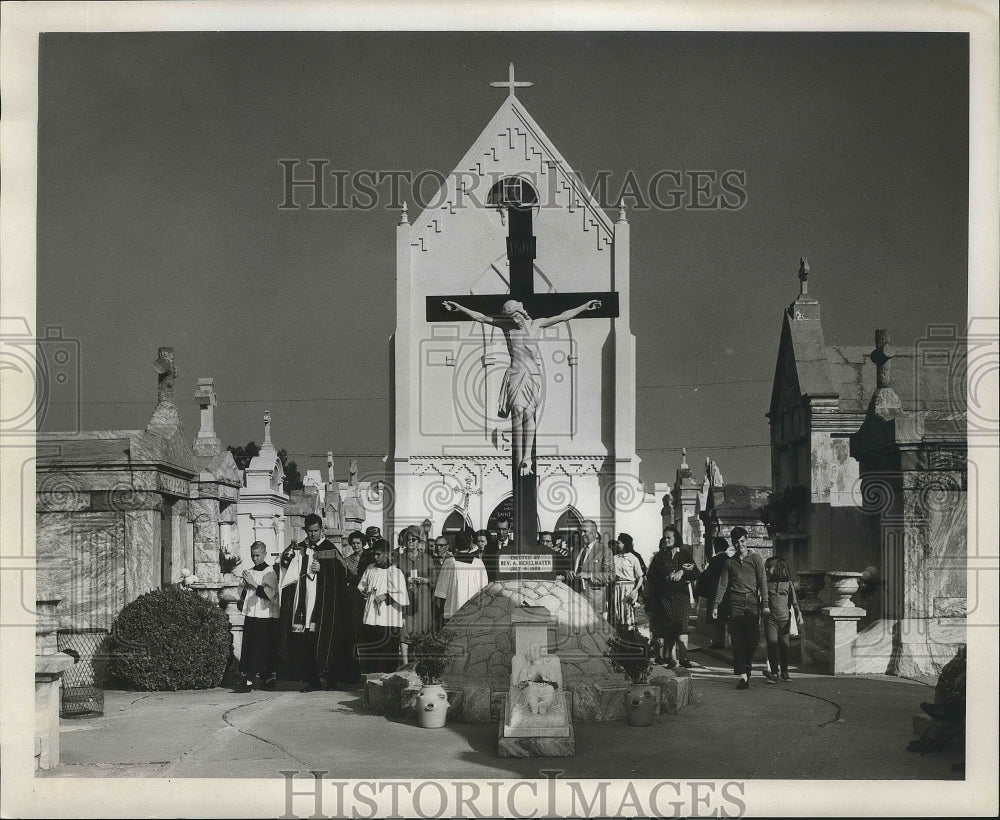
(512, 192)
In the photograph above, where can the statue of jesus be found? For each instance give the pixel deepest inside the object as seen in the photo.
(521, 390)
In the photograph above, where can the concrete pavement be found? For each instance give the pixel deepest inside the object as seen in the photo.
(814, 727)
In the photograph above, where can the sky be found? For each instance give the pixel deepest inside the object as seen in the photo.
(158, 221)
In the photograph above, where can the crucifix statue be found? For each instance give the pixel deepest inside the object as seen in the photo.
(521, 315)
(521, 390)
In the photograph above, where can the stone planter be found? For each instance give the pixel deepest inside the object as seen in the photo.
(640, 704)
(811, 583)
(842, 586)
(229, 592)
(432, 706)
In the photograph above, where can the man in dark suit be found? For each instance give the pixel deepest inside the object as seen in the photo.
(504, 545)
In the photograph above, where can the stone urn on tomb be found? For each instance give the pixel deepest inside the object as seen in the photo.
(628, 652)
(430, 656)
(843, 585)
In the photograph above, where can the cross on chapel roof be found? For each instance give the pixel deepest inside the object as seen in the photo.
(510, 83)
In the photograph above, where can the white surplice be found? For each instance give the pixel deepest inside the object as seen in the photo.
(384, 581)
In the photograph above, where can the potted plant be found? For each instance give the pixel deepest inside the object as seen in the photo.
(429, 653)
(628, 652)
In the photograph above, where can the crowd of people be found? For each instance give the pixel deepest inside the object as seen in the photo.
(325, 613)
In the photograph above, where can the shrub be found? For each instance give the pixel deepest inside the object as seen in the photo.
(171, 639)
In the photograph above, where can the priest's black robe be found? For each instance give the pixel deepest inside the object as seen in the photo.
(328, 649)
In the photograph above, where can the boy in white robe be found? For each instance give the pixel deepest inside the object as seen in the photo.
(384, 589)
(259, 605)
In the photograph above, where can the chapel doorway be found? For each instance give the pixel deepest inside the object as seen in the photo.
(568, 527)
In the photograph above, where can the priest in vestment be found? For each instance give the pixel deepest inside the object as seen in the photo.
(317, 623)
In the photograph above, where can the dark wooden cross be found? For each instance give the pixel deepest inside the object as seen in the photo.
(515, 197)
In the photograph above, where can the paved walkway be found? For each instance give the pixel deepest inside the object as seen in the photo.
(815, 727)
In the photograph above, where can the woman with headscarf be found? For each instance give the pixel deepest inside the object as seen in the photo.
(668, 598)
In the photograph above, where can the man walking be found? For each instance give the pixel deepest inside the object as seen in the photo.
(593, 569)
(743, 588)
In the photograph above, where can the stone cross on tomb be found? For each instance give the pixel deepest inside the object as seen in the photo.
(882, 356)
(166, 372)
(803, 276)
(885, 402)
(207, 400)
(267, 427)
(521, 315)
(165, 414)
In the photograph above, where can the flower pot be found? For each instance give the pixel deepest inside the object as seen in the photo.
(640, 705)
(842, 586)
(432, 706)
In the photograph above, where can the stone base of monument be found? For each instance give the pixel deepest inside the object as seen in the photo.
(483, 633)
(536, 746)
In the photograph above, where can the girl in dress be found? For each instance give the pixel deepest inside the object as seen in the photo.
(628, 582)
(384, 589)
(259, 605)
(784, 606)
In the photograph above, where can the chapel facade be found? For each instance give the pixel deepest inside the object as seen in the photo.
(451, 451)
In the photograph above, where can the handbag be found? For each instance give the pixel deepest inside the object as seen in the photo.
(793, 624)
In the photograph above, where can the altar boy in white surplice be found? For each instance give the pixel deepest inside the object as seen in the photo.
(384, 589)
(462, 576)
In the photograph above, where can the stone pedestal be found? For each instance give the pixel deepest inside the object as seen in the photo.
(536, 746)
(227, 594)
(674, 687)
(48, 679)
(537, 709)
(840, 631)
(812, 643)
